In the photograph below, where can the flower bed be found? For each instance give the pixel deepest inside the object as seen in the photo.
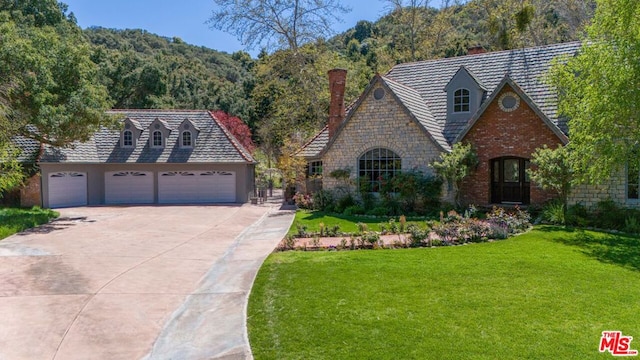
(452, 229)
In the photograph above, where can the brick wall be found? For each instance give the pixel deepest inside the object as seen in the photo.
(498, 133)
(379, 123)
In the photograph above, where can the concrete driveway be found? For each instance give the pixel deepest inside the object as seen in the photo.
(155, 282)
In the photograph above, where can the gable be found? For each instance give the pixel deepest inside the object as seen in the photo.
(509, 97)
(526, 66)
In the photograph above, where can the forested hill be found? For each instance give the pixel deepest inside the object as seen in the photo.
(144, 70)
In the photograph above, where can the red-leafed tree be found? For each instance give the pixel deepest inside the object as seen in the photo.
(237, 128)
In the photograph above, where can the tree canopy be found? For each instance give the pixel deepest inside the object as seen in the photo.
(52, 91)
(600, 92)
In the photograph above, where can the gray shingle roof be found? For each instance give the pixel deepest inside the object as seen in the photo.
(419, 86)
(419, 108)
(214, 144)
(314, 147)
(525, 66)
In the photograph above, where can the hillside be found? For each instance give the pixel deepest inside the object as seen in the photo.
(144, 70)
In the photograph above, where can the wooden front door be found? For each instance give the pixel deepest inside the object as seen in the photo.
(510, 181)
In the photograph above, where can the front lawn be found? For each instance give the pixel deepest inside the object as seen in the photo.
(347, 223)
(13, 220)
(547, 294)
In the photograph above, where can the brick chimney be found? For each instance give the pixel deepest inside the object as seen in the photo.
(337, 82)
(474, 50)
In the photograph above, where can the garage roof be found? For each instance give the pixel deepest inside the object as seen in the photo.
(214, 143)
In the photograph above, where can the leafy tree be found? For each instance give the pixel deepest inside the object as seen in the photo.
(552, 171)
(600, 92)
(277, 24)
(51, 82)
(454, 166)
(237, 128)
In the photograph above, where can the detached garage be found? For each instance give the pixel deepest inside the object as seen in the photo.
(67, 189)
(128, 187)
(196, 187)
(157, 157)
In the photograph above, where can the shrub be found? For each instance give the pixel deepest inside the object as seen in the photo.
(417, 235)
(553, 213)
(608, 215)
(323, 200)
(303, 201)
(514, 222)
(333, 231)
(378, 211)
(362, 227)
(631, 225)
(393, 226)
(302, 230)
(447, 232)
(353, 210)
(578, 215)
(344, 202)
(371, 237)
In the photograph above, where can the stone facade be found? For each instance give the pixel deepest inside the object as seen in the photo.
(615, 189)
(499, 134)
(380, 123)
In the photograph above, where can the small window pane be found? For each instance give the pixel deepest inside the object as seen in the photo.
(461, 101)
(128, 138)
(186, 138)
(511, 170)
(157, 138)
(496, 171)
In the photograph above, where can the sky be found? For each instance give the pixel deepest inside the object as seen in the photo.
(186, 19)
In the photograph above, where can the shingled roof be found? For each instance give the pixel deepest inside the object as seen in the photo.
(526, 67)
(420, 87)
(214, 143)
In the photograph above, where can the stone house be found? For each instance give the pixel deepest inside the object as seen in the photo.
(498, 102)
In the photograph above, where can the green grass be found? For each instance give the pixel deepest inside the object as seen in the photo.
(547, 294)
(13, 220)
(348, 224)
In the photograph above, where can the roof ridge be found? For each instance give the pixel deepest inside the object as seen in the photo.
(484, 54)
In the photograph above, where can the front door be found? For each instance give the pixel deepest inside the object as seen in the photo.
(510, 181)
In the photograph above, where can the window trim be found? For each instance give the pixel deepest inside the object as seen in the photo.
(124, 139)
(153, 139)
(462, 94)
(391, 157)
(314, 168)
(191, 140)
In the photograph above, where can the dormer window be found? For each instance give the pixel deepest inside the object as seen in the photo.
(461, 101)
(157, 138)
(188, 134)
(187, 139)
(127, 139)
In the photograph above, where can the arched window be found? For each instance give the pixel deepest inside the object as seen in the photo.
(461, 101)
(377, 166)
(157, 138)
(127, 138)
(186, 139)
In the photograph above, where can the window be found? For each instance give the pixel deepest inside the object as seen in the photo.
(376, 167)
(127, 138)
(461, 101)
(157, 139)
(186, 139)
(314, 168)
(633, 181)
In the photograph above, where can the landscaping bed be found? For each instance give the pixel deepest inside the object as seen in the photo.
(318, 230)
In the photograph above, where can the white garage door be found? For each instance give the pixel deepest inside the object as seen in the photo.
(67, 189)
(128, 187)
(196, 187)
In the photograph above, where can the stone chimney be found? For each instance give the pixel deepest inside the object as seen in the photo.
(337, 82)
(474, 50)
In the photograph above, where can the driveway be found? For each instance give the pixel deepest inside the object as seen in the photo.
(155, 282)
